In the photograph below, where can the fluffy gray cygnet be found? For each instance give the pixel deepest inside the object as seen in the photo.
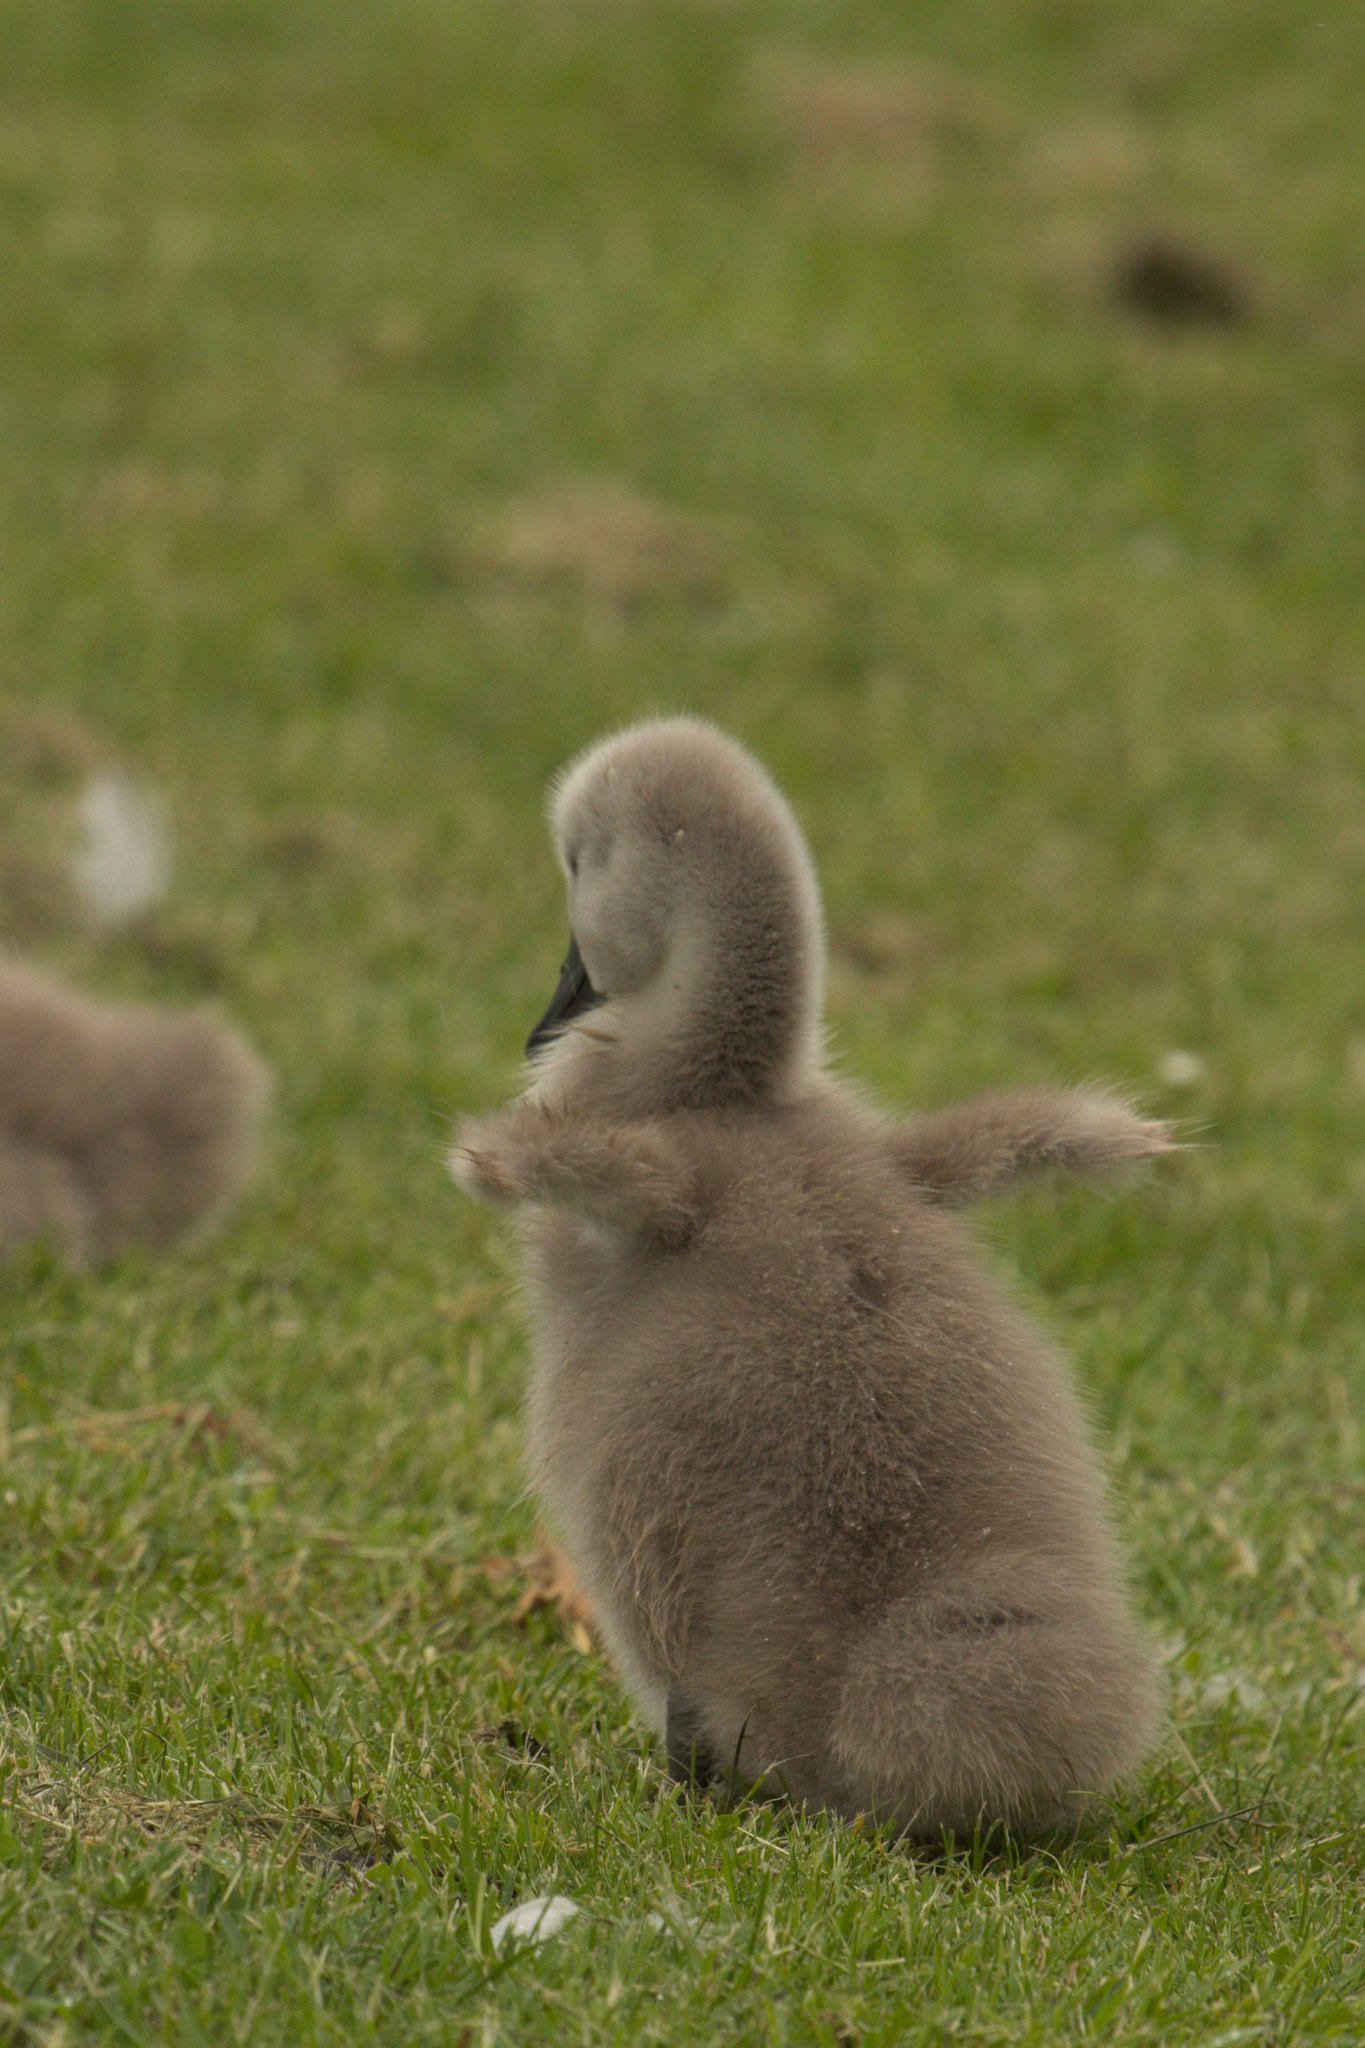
(831, 1494)
(120, 1124)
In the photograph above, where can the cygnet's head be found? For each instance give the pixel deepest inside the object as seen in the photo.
(696, 965)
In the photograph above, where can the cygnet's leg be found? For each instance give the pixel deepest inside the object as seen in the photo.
(691, 1760)
(977, 1149)
(625, 1177)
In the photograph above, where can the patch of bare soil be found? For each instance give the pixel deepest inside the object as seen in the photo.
(882, 130)
(610, 543)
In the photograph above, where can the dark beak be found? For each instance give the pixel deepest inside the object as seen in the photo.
(574, 995)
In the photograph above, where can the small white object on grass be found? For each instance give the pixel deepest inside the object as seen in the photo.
(534, 1921)
(1179, 1069)
(125, 864)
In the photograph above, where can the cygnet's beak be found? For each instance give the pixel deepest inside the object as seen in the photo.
(574, 994)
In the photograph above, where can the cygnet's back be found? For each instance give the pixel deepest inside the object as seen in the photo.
(831, 1495)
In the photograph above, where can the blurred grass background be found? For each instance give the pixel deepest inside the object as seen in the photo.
(964, 406)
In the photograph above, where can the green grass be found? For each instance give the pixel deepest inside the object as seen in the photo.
(327, 334)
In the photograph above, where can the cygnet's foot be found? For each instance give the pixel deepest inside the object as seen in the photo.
(692, 1762)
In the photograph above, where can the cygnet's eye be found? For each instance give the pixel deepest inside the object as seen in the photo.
(571, 863)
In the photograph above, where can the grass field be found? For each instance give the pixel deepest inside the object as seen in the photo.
(965, 406)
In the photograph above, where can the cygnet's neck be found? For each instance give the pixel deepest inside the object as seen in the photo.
(731, 1021)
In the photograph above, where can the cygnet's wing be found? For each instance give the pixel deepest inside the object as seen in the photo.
(627, 1178)
(986, 1147)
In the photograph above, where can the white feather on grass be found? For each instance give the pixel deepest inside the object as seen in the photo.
(534, 1921)
(125, 864)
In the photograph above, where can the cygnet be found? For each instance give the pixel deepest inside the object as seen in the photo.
(831, 1495)
(120, 1124)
